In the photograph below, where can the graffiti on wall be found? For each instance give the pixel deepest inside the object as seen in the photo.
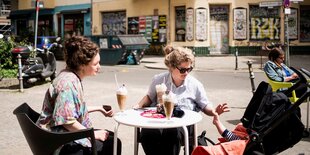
(264, 23)
(292, 24)
(305, 23)
(265, 28)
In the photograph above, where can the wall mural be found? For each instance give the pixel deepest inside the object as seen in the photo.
(190, 24)
(264, 23)
(240, 24)
(201, 24)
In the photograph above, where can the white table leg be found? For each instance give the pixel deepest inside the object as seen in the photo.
(186, 140)
(115, 139)
(195, 136)
(135, 143)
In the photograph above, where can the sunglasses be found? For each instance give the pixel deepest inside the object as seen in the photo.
(183, 70)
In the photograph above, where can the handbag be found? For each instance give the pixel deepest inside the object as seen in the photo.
(203, 140)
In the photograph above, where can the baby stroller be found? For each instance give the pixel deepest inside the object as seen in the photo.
(272, 123)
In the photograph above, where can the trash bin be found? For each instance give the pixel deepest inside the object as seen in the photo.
(119, 49)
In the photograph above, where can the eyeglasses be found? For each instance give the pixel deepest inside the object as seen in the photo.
(183, 70)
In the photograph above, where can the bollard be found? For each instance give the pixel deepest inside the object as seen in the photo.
(236, 55)
(20, 77)
(252, 77)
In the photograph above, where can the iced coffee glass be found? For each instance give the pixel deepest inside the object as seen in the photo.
(121, 94)
(168, 99)
(160, 90)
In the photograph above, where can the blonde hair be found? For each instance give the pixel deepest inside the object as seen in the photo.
(174, 56)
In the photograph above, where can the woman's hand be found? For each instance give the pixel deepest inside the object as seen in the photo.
(101, 135)
(221, 108)
(109, 113)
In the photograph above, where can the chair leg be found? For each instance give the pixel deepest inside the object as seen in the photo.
(306, 132)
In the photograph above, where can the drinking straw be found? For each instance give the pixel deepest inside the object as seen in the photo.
(116, 81)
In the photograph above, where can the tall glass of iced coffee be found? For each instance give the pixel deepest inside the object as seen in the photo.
(160, 90)
(168, 99)
(121, 94)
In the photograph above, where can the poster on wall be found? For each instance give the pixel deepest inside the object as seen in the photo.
(162, 28)
(201, 24)
(155, 31)
(292, 24)
(148, 28)
(142, 25)
(240, 24)
(304, 23)
(189, 24)
(133, 25)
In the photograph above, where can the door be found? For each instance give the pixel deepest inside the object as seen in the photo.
(219, 29)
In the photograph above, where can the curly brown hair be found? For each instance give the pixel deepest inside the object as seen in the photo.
(176, 55)
(79, 51)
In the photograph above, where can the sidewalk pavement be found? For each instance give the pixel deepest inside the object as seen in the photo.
(228, 63)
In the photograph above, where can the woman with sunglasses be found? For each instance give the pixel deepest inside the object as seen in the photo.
(190, 94)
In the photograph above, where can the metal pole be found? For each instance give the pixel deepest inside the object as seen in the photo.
(252, 77)
(36, 27)
(20, 76)
(236, 54)
(287, 51)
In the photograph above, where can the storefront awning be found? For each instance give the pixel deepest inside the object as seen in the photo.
(26, 13)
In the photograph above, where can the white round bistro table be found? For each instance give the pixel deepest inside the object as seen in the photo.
(132, 117)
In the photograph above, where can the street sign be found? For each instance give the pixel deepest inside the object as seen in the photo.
(270, 4)
(296, 1)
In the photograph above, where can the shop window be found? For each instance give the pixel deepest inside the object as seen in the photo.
(180, 23)
(114, 23)
(74, 24)
(305, 23)
(264, 23)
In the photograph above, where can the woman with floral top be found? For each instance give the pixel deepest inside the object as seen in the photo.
(64, 108)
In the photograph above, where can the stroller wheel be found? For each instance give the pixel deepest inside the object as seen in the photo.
(305, 134)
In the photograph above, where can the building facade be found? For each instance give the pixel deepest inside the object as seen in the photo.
(5, 23)
(208, 27)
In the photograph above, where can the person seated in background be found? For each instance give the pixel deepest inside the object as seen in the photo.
(276, 70)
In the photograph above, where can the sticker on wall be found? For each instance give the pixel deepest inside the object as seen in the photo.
(240, 24)
(201, 24)
(189, 24)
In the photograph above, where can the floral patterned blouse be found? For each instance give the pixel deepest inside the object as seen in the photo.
(64, 104)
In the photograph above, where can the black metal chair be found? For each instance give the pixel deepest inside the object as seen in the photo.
(43, 142)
